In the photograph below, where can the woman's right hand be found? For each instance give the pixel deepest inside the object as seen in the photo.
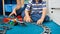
(13, 12)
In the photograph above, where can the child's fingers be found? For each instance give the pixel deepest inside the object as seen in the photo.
(24, 19)
(39, 22)
(27, 20)
(31, 20)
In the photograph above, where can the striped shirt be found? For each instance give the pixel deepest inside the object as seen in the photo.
(36, 8)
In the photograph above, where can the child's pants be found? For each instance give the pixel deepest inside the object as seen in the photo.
(36, 17)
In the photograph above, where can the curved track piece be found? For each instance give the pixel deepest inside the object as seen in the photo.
(46, 29)
(5, 28)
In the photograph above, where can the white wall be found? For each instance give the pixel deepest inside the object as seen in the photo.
(55, 16)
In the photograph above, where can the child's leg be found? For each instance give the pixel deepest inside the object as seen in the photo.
(47, 18)
(36, 17)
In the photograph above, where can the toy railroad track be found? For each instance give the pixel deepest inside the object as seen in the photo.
(5, 28)
(46, 29)
(2, 31)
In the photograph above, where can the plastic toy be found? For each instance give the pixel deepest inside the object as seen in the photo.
(13, 21)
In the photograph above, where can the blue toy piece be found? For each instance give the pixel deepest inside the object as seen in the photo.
(11, 22)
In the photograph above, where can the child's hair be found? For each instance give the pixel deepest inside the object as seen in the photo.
(39, 1)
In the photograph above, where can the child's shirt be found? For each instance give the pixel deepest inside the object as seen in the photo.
(36, 8)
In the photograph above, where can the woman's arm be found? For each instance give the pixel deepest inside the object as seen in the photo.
(19, 4)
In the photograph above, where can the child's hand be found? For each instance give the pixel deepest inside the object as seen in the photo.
(40, 21)
(27, 19)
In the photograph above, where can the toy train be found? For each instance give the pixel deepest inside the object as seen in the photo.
(13, 21)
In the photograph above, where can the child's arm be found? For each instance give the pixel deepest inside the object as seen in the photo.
(27, 16)
(42, 17)
(44, 11)
(43, 14)
(28, 8)
(27, 13)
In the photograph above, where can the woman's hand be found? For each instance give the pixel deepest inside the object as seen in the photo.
(13, 12)
(27, 19)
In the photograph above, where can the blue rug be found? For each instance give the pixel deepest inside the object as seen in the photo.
(33, 29)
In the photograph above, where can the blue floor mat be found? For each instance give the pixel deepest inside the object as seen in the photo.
(33, 29)
(55, 29)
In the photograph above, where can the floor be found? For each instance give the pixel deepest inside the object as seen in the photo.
(32, 29)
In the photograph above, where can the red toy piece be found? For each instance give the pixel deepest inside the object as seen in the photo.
(19, 18)
(14, 20)
(6, 20)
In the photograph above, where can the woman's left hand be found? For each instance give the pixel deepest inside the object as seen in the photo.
(40, 21)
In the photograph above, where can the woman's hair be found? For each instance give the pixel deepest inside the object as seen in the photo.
(35, 1)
